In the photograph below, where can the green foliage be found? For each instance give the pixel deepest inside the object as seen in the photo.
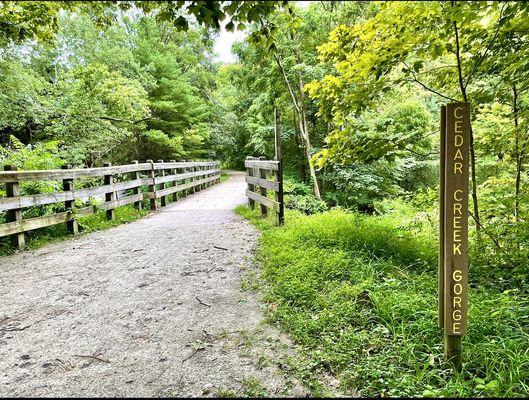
(298, 196)
(156, 145)
(391, 130)
(358, 294)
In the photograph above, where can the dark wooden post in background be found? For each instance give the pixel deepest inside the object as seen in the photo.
(455, 230)
(262, 191)
(13, 190)
(111, 196)
(67, 185)
(163, 199)
(192, 179)
(249, 171)
(152, 186)
(137, 190)
(175, 183)
(279, 175)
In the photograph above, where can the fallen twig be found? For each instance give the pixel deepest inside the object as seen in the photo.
(193, 353)
(94, 357)
(201, 302)
(147, 283)
(220, 248)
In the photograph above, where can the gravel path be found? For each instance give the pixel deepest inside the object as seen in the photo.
(150, 308)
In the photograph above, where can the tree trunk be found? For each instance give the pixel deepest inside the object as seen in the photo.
(302, 125)
(303, 107)
(471, 144)
(299, 147)
(517, 154)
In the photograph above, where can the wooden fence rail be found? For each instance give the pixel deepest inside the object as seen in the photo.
(117, 185)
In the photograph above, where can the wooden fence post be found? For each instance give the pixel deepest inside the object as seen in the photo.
(175, 182)
(109, 180)
(249, 172)
(192, 190)
(203, 176)
(67, 185)
(13, 190)
(163, 199)
(137, 190)
(280, 215)
(262, 190)
(152, 187)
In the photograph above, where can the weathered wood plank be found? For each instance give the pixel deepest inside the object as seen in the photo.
(172, 178)
(10, 203)
(263, 200)
(262, 164)
(263, 183)
(120, 202)
(171, 165)
(25, 225)
(57, 174)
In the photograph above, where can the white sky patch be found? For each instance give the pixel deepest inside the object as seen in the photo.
(226, 39)
(224, 42)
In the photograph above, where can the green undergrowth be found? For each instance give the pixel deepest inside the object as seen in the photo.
(224, 177)
(91, 223)
(358, 294)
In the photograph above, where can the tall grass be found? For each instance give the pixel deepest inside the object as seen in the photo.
(359, 295)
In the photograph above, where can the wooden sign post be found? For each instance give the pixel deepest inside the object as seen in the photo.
(453, 227)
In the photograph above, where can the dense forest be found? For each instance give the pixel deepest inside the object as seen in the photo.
(359, 87)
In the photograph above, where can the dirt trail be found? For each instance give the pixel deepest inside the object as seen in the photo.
(150, 308)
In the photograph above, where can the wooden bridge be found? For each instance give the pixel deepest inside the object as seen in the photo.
(119, 186)
(150, 308)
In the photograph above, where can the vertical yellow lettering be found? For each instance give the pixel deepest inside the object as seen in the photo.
(458, 128)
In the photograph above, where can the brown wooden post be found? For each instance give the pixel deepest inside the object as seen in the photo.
(205, 176)
(111, 196)
(249, 172)
(137, 190)
(175, 183)
(201, 176)
(262, 190)
(192, 179)
(152, 186)
(67, 185)
(456, 229)
(163, 199)
(13, 190)
(441, 271)
(280, 215)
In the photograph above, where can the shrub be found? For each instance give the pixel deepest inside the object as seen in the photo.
(298, 196)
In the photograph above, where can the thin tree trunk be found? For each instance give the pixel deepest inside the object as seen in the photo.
(471, 144)
(306, 126)
(517, 154)
(299, 147)
(302, 127)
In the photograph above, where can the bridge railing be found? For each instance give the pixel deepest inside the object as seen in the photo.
(86, 191)
(264, 175)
